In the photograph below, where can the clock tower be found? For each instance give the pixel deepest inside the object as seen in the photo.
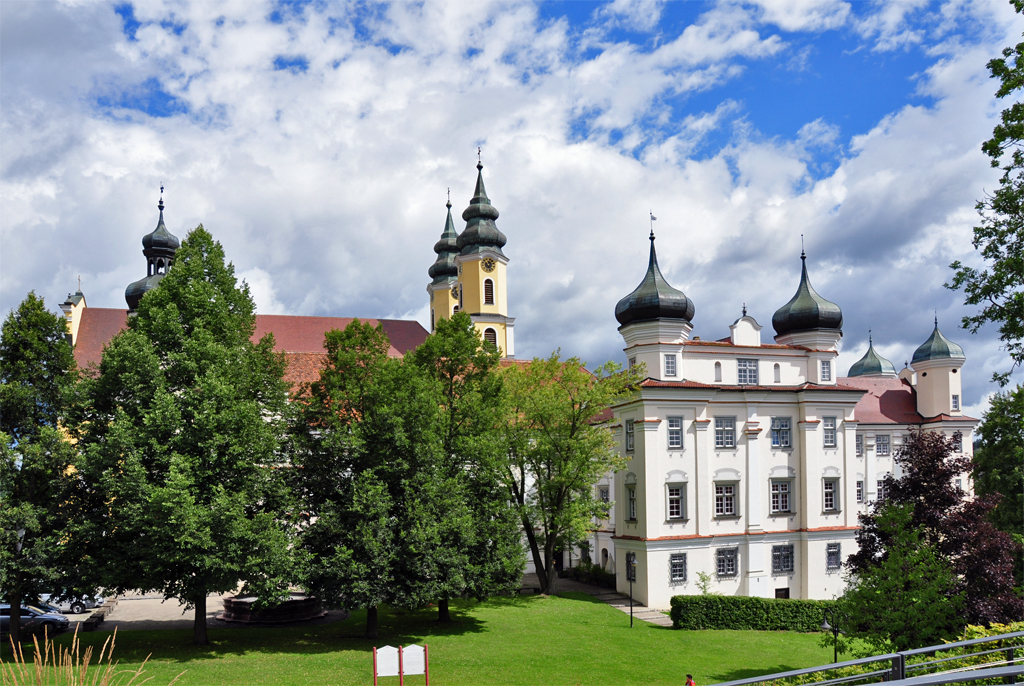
(478, 285)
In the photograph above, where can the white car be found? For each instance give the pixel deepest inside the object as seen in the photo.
(75, 606)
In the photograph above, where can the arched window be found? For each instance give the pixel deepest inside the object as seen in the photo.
(455, 309)
(778, 373)
(491, 336)
(488, 292)
(149, 271)
(718, 371)
(159, 266)
(604, 558)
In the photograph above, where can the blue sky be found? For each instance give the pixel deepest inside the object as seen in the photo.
(317, 140)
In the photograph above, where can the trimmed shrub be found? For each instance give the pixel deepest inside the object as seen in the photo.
(592, 574)
(738, 612)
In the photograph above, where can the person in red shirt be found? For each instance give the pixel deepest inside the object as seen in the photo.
(690, 681)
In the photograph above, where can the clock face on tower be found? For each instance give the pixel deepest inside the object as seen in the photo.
(455, 290)
(488, 264)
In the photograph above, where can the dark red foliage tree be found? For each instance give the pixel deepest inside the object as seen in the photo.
(980, 555)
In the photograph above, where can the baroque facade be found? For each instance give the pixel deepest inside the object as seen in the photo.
(749, 461)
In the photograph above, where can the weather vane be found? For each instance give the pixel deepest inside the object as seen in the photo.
(653, 219)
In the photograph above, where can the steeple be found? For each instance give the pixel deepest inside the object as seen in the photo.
(872, 364)
(480, 232)
(159, 247)
(806, 310)
(937, 347)
(444, 268)
(654, 298)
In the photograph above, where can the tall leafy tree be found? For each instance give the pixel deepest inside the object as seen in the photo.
(556, 450)
(999, 287)
(999, 466)
(37, 374)
(980, 555)
(909, 598)
(181, 433)
(472, 541)
(361, 439)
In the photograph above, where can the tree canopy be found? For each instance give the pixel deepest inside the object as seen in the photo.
(999, 287)
(980, 555)
(37, 373)
(556, 449)
(181, 429)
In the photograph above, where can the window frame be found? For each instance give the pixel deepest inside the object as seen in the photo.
(631, 502)
(728, 433)
(829, 432)
(834, 483)
(488, 293)
(681, 497)
(860, 491)
(826, 370)
(744, 368)
(673, 559)
(858, 445)
(778, 553)
(955, 402)
(604, 494)
(880, 489)
(835, 549)
(491, 330)
(880, 440)
(785, 496)
(780, 432)
(671, 358)
(726, 555)
(729, 498)
(675, 432)
(630, 436)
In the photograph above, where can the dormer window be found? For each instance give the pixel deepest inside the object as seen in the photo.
(488, 292)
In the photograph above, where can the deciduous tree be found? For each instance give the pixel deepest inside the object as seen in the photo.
(556, 450)
(957, 527)
(37, 372)
(999, 287)
(181, 434)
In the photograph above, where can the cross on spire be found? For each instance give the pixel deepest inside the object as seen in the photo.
(744, 309)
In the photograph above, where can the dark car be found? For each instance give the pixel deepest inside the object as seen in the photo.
(33, 620)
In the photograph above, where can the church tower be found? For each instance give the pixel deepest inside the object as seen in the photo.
(478, 285)
(159, 248)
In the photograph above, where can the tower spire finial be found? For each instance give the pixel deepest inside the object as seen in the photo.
(653, 219)
(79, 283)
(744, 309)
(160, 205)
(449, 203)
(803, 255)
(869, 338)
(479, 161)
(936, 318)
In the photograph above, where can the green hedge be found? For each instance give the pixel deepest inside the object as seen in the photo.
(590, 574)
(738, 612)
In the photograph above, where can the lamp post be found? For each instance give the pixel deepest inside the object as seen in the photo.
(835, 616)
(631, 575)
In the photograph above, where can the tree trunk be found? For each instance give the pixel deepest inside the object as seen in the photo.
(371, 622)
(538, 564)
(15, 628)
(199, 637)
(549, 559)
(442, 611)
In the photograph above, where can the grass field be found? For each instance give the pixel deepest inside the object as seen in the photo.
(569, 639)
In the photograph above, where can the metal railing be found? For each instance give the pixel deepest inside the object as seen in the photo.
(897, 669)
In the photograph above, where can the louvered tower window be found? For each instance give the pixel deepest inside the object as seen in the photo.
(488, 292)
(491, 336)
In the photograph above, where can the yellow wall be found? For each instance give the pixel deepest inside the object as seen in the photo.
(472, 278)
(442, 302)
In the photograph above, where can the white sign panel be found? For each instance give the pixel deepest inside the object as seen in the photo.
(387, 661)
(413, 661)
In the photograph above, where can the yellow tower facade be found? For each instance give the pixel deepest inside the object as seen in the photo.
(470, 272)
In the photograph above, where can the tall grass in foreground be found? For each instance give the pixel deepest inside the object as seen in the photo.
(54, 665)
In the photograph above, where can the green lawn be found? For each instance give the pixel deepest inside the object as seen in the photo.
(570, 639)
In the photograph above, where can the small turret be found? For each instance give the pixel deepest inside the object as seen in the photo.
(480, 233)
(873, 364)
(444, 268)
(936, 365)
(654, 298)
(808, 319)
(159, 247)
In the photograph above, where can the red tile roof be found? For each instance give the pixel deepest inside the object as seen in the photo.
(301, 338)
(887, 401)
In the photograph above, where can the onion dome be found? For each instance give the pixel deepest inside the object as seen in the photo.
(159, 247)
(444, 268)
(654, 298)
(480, 232)
(872, 364)
(807, 311)
(938, 347)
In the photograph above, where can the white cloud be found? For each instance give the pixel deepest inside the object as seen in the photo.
(804, 15)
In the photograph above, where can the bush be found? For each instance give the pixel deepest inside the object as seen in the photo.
(592, 574)
(737, 612)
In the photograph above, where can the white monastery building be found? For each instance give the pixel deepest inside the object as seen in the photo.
(750, 461)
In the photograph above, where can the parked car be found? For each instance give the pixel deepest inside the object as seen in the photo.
(75, 606)
(33, 620)
(45, 606)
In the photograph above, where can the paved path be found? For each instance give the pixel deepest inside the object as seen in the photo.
(605, 595)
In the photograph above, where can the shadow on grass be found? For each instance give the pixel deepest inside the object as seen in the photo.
(751, 673)
(396, 627)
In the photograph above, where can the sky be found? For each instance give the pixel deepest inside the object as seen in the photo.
(317, 142)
